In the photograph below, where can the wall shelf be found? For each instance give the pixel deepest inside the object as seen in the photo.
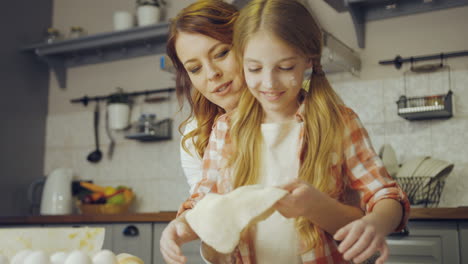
(99, 48)
(362, 11)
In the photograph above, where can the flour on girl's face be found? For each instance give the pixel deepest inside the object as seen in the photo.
(292, 81)
(267, 84)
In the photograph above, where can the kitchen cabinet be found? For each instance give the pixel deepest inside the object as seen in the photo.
(427, 242)
(133, 238)
(463, 236)
(191, 250)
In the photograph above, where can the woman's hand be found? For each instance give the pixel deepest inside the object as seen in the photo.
(361, 239)
(298, 202)
(174, 235)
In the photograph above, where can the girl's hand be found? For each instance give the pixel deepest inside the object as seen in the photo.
(361, 239)
(174, 235)
(298, 202)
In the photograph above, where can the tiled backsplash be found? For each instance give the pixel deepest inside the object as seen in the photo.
(375, 103)
(153, 169)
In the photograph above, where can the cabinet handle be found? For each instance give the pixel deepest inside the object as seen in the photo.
(131, 231)
(402, 233)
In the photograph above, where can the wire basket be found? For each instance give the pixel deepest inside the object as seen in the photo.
(422, 191)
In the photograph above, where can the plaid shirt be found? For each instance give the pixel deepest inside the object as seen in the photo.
(363, 171)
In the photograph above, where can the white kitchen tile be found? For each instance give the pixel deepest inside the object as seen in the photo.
(415, 142)
(450, 139)
(171, 194)
(439, 82)
(416, 84)
(392, 90)
(454, 193)
(460, 92)
(57, 158)
(366, 99)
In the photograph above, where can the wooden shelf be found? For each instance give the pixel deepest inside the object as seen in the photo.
(99, 48)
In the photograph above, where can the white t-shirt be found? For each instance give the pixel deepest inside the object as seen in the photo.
(276, 239)
(191, 162)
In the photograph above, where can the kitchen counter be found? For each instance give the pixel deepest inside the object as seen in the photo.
(79, 219)
(460, 213)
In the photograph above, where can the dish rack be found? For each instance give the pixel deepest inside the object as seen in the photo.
(422, 191)
(426, 107)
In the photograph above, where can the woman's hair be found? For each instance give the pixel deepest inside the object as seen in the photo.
(215, 19)
(292, 23)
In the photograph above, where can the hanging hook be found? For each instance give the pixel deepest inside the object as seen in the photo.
(442, 60)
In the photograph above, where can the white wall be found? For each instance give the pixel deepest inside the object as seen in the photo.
(153, 169)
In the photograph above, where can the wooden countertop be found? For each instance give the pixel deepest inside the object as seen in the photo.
(80, 219)
(460, 213)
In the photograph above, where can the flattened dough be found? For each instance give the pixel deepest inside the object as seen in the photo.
(220, 219)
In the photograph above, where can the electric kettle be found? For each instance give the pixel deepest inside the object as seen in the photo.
(57, 193)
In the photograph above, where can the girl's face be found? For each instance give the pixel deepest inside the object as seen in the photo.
(274, 72)
(212, 68)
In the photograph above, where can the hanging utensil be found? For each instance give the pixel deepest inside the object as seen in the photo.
(110, 150)
(96, 155)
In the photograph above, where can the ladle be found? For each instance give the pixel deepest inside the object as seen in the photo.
(96, 155)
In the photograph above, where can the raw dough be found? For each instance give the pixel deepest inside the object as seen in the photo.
(220, 219)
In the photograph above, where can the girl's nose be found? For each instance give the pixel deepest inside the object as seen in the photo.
(268, 81)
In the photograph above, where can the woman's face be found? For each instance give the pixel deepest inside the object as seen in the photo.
(212, 68)
(274, 72)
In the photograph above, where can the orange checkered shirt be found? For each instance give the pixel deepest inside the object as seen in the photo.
(363, 171)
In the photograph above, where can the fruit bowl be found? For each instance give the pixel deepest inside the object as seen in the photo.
(104, 209)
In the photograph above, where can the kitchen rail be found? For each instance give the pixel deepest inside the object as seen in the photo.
(460, 213)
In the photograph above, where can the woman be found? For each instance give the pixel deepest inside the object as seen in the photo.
(208, 77)
(333, 148)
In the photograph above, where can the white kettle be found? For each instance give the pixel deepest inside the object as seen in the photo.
(57, 193)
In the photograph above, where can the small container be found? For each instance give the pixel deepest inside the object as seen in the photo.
(76, 32)
(52, 35)
(145, 123)
(402, 102)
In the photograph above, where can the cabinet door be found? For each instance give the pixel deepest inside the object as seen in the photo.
(427, 242)
(191, 250)
(463, 232)
(107, 237)
(132, 238)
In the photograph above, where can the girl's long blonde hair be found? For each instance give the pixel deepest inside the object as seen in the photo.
(215, 19)
(291, 22)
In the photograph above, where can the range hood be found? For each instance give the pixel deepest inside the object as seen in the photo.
(338, 57)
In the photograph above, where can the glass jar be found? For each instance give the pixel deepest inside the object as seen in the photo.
(52, 35)
(145, 123)
(76, 32)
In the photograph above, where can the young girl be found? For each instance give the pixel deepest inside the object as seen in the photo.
(308, 143)
(200, 46)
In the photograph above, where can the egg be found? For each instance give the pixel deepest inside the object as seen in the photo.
(58, 257)
(37, 257)
(105, 257)
(20, 256)
(78, 257)
(3, 260)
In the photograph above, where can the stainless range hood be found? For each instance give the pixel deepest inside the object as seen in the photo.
(338, 57)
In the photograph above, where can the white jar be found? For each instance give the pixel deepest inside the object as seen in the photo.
(148, 15)
(119, 114)
(123, 20)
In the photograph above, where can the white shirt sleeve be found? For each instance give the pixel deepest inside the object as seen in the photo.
(191, 161)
